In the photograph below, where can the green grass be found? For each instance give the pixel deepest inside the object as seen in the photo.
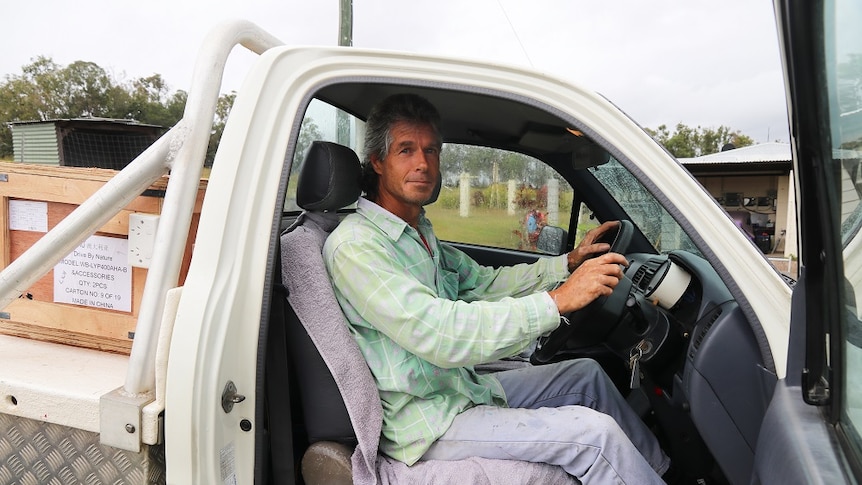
(487, 227)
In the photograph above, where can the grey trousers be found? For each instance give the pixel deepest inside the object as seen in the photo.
(567, 414)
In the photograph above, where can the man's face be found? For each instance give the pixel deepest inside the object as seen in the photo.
(410, 170)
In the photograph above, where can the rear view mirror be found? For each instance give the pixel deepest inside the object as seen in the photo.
(589, 156)
(552, 240)
(586, 153)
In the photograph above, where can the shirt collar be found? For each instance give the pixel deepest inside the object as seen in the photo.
(392, 225)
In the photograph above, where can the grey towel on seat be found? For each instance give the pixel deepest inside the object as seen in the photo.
(312, 298)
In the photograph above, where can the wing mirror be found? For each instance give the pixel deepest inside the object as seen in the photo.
(552, 240)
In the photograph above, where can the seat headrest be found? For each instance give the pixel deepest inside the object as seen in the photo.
(436, 192)
(329, 178)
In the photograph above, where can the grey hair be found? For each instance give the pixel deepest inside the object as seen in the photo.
(407, 107)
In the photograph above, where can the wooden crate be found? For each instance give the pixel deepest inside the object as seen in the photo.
(38, 314)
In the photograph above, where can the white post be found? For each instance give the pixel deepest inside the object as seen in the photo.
(510, 198)
(791, 240)
(553, 202)
(464, 205)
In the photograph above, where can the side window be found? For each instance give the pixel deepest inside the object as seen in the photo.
(497, 198)
(322, 122)
(844, 78)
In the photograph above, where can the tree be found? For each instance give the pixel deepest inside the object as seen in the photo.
(308, 133)
(223, 106)
(23, 98)
(490, 165)
(45, 90)
(16, 103)
(150, 101)
(84, 89)
(687, 142)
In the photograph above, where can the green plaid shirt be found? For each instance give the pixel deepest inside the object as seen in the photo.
(423, 320)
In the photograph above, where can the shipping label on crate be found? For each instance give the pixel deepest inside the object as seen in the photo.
(28, 215)
(96, 274)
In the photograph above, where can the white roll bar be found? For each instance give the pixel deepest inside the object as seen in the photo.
(181, 150)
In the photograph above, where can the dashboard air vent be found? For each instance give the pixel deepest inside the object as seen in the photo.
(644, 274)
(702, 334)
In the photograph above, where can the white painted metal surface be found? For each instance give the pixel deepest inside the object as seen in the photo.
(56, 383)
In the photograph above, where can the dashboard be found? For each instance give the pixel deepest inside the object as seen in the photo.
(662, 306)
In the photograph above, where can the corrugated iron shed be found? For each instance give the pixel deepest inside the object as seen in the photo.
(35, 143)
(82, 142)
(763, 158)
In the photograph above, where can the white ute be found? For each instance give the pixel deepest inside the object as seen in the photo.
(194, 401)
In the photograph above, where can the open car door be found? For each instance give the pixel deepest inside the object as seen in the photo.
(811, 431)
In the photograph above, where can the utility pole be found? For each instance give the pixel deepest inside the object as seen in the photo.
(345, 38)
(345, 26)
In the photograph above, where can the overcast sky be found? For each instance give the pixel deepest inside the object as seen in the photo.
(701, 63)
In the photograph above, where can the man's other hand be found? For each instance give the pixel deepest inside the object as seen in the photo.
(588, 247)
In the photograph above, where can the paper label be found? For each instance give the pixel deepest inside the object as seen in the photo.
(96, 274)
(28, 215)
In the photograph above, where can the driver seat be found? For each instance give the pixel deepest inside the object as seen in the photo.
(327, 182)
(340, 404)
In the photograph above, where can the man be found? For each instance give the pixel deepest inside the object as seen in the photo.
(424, 313)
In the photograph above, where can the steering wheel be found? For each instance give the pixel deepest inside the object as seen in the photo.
(598, 319)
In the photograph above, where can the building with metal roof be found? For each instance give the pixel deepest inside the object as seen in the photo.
(754, 184)
(774, 152)
(82, 142)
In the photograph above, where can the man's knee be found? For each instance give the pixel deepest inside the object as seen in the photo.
(584, 368)
(607, 424)
(610, 433)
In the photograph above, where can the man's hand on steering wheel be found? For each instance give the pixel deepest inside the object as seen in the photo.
(588, 247)
(592, 279)
(597, 266)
